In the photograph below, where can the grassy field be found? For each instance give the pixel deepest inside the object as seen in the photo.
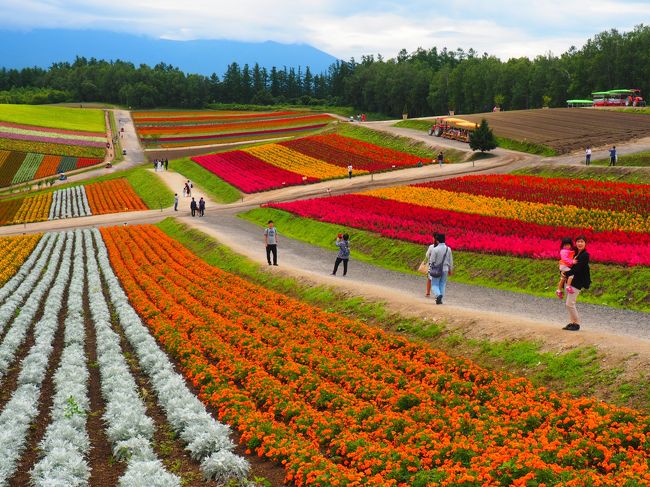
(150, 188)
(616, 174)
(613, 285)
(90, 120)
(215, 187)
(580, 371)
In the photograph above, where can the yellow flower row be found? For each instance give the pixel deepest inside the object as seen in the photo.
(294, 161)
(34, 209)
(13, 252)
(543, 214)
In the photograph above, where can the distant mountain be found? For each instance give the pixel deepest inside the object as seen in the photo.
(45, 46)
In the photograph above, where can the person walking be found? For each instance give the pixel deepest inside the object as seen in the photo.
(271, 242)
(343, 243)
(441, 265)
(441, 158)
(193, 207)
(201, 207)
(189, 186)
(175, 201)
(349, 171)
(587, 156)
(612, 156)
(166, 163)
(581, 280)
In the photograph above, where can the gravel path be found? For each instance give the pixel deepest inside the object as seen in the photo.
(295, 254)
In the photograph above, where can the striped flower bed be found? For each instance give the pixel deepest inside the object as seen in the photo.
(68, 279)
(18, 167)
(498, 225)
(300, 161)
(113, 196)
(182, 129)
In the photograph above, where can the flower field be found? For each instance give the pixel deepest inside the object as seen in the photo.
(501, 214)
(13, 252)
(113, 196)
(184, 129)
(340, 403)
(69, 277)
(18, 167)
(300, 161)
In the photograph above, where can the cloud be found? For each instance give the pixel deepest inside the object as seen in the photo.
(344, 28)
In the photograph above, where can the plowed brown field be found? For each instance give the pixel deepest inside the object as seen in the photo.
(567, 129)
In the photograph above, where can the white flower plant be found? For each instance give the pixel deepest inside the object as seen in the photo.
(207, 440)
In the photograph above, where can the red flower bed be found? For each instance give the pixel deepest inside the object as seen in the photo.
(248, 173)
(238, 134)
(86, 161)
(577, 192)
(465, 231)
(379, 154)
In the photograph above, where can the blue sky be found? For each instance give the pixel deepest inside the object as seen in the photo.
(346, 28)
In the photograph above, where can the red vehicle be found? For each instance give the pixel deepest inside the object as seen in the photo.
(618, 98)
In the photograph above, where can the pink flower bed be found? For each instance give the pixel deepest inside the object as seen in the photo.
(51, 140)
(413, 223)
(248, 173)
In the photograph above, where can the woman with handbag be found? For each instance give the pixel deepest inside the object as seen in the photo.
(441, 264)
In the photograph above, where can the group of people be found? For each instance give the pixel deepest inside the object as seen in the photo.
(613, 156)
(271, 244)
(160, 164)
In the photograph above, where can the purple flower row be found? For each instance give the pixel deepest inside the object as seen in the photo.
(51, 140)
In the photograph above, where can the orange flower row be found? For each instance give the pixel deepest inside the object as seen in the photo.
(113, 196)
(13, 252)
(341, 403)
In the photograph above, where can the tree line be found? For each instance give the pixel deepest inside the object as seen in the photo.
(424, 82)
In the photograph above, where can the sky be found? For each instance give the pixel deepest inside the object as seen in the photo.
(346, 28)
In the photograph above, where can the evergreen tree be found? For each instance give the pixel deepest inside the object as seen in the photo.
(482, 138)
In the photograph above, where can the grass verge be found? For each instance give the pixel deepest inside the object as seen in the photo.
(639, 159)
(525, 146)
(214, 186)
(615, 174)
(89, 120)
(612, 285)
(117, 145)
(577, 371)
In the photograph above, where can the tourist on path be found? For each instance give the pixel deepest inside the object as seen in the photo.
(271, 242)
(193, 207)
(612, 156)
(343, 243)
(441, 158)
(441, 265)
(166, 163)
(581, 280)
(587, 156)
(175, 201)
(350, 171)
(201, 207)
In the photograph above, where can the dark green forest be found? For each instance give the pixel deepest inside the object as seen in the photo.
(424, 82)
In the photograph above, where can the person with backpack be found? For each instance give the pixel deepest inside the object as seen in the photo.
(441, 265)
(343, 243)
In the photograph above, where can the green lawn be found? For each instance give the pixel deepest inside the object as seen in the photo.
(214, 186)
(580, 371)
(616, 174)
(90, 120)
(613, 285)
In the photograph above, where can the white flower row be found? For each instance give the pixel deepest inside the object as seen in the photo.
(22, 408)
(66, 443)
(207, 440)
(69, 202)
(44, 244)
(29, 295)
(129, 429)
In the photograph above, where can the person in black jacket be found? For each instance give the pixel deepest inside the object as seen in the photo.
(581, 280)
